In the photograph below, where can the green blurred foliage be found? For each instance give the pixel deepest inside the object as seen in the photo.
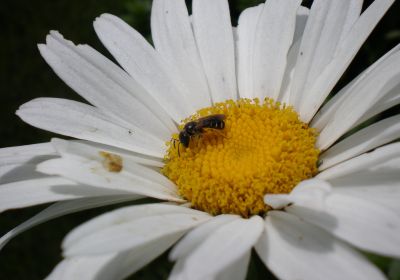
(394, 270)
(24, 75)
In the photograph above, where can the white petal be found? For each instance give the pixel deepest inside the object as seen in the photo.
(86, 268)
(310, 186)
(20, 172)
(364, 224)
(345, 52)
(353, 13)
(62, 208)
(121, 216)
(195, 237)
(131, 179)
(277, 201)
(328, 110)
(379, 184)
(325, 27)
(386, 195)
(244, 47)
(225, 246)
(173, 37)
(369, 90)
(144, 64)
(104, 85)
(86, 122)
(77, 151)
(19, 163)
(122, 233)
(129, 262)
(142, 106)
(273, 38)
(362, 141)
(91, 149)
(24, 154)
(176, 272)
(308, 192)
(361, 162)
(237, 270)
(301, 21)
(293, 249)
(43, 190)
(213, 32)
(391, 99)
(111, 266)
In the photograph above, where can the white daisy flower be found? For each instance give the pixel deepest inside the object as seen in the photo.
(259, 167)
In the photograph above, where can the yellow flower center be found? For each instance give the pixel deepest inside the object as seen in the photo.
(263, 148)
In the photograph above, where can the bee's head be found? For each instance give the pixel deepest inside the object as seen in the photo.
(190, 128)
(184, 138)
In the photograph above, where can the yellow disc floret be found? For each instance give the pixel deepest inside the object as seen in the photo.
(264, 148)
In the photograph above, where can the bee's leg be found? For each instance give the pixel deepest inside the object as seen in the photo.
(174, 142)
(179, 153)
(200, 136)
(219, 132)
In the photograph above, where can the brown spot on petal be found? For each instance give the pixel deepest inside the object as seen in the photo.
(111, 162)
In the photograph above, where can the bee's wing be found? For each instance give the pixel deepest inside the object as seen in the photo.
(206, 122)
(219, 117)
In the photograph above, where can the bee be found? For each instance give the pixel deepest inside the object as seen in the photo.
(197, 127)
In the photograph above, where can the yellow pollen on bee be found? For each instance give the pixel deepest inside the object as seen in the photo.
(264, 148)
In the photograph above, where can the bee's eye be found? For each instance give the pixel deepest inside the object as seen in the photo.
(190, 126)
(184, 139)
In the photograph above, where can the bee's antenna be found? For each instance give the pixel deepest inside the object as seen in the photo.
(173, 141)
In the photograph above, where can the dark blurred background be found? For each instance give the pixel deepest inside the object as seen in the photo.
(24, 75)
